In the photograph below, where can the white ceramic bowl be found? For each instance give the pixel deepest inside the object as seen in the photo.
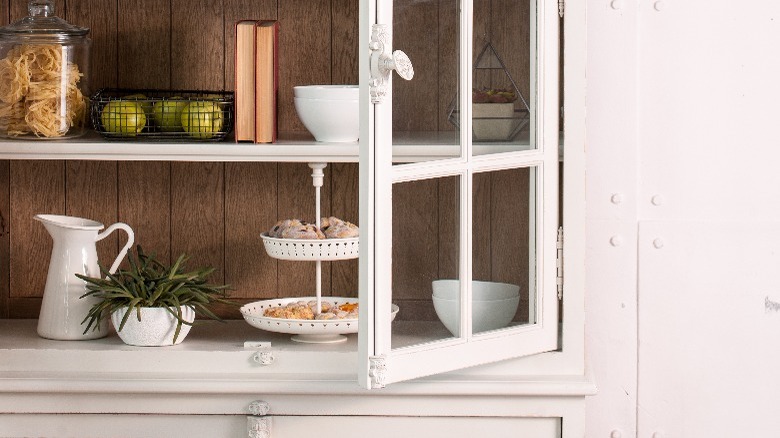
(493, 305)
(335, 121)
(481, 290)
(330, 92)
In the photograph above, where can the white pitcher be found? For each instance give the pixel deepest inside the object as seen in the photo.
(74, 252)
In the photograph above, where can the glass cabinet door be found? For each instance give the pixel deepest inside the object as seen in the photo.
(459, 186)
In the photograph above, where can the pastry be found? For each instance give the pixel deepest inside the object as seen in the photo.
(335, 228)
(305, 310)
(295, 229)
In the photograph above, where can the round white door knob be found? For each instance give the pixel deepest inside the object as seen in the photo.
(616, 4)
(659, 6)
(401, 64)
(616, 240)
(616, 198)
(658, 200)
(658, 244)
(616, 434)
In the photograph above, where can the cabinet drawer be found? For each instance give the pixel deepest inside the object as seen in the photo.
(429, 427)
(122, 425)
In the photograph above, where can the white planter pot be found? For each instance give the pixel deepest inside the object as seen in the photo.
(492, 121)
(156, 328)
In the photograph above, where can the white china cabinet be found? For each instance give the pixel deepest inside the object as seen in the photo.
(404, 377)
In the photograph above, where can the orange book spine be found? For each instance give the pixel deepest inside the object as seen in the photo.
(267, 81)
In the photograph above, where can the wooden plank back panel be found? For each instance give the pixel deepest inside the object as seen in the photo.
(416, 102)
(344, 183)
(447, 62)
(18, 9)
(214, 211)
(305, 53)
(250, 208)
(5, 209)
(5, 238)
(344, 41)
(144, 203)
(415, 237)
(144, 44)
(510, 30)
(90, 192)
(36, 187)
(197, 45)
(198, 215)
(510, 220)
(100, 16)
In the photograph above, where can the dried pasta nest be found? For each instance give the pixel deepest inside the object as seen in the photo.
(38, 94)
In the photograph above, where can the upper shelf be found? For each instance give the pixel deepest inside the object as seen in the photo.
(292, 147)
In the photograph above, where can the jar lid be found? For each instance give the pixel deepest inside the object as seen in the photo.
(42, 23)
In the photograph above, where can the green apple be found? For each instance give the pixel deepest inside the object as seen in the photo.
(167, 114)
(202, 119)
(123, 117)
(143, 101)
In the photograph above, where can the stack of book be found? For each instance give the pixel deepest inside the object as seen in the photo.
(257, 78)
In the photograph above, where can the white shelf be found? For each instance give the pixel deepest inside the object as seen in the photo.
(213, 359)
(291, 147)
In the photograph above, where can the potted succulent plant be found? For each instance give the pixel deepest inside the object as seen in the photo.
(151, 303)
(493, 112)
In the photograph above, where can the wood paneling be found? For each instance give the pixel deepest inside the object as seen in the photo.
(5, 238)
(36, 187)
(214, 212)
(198, 215)
(100, 16)
(250, 208)
(344, 41)
(416, 102)
(144, 203)
(90, 192)
(415, 238)
(305, 56)
(344, 183)
(197, 45)
(19, 9)
(144, 44)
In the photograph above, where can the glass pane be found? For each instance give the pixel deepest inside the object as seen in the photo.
(503, 242)
(502, 76)
(426, 247)
(427, 31)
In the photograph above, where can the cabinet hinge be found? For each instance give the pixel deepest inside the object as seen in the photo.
(376, 371)
(559, 263)
(561, 7)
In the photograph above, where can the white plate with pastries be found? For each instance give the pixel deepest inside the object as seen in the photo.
(294, 316)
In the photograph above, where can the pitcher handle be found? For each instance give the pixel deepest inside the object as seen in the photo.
(130, 240)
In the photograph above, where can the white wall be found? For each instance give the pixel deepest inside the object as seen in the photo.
(682, 194)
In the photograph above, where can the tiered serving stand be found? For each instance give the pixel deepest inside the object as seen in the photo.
(316, 250)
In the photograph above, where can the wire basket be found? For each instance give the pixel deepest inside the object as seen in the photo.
(162, 115)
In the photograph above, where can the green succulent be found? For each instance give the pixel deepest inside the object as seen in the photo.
(150, 283)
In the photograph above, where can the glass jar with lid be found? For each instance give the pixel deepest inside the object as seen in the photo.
(44, 76)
